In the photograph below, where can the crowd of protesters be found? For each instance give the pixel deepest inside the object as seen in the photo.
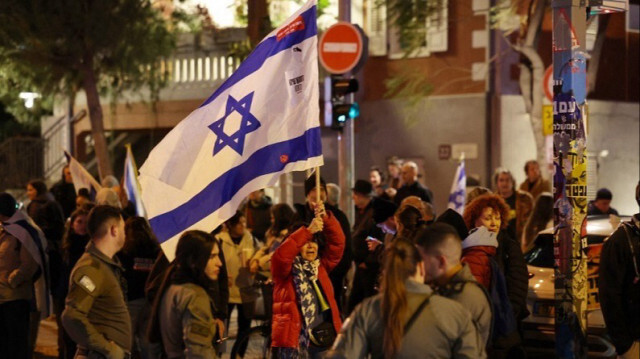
(401, 281)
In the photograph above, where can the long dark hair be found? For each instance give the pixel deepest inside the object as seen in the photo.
(400, 263)
(410, 218)
(68, 233)
(39, 186)
(138, 236)
(192, 255)
(235, 219)
(282, 218)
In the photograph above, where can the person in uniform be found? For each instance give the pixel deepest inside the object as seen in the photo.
(182, 318)
(96, 315)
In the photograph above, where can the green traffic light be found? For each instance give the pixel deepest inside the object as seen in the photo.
(354, 111)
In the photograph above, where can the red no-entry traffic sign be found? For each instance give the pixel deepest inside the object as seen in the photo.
(340, 48)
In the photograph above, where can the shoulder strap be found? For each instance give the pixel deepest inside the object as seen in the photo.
(488, 297)
(415, 314)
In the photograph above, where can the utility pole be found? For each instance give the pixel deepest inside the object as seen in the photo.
(346, 147)
(570, 169)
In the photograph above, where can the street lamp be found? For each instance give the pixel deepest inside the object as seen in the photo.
(29, 98)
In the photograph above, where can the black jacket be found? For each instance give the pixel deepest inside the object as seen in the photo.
(618, 286)
(511, 262)
(49, 217)
(65, 194)
(415, 189)
(258, 217)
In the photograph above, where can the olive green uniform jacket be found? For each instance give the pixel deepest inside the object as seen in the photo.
(186, 322)
(96, 315)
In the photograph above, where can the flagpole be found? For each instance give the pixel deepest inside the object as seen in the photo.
(318, 197)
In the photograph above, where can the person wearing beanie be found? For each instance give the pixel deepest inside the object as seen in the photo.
(305, 212)
(17, 268)
(602, 204)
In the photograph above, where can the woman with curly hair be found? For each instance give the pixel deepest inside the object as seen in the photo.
(484, 216)
(488, 241)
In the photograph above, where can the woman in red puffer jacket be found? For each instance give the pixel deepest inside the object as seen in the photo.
(484, 215)
(306, 318)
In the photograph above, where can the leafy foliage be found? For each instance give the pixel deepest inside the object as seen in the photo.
(409, 17)
(45, 44)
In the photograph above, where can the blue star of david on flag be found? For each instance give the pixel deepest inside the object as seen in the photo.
(458, 190)
(248, 124)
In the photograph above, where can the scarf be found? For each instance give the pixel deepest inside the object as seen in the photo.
(31, 237)
(305, 274)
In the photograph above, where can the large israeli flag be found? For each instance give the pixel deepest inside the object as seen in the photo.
(261, 122)
(130, 183)
(457, 196)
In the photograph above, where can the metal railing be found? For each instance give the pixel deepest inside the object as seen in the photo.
(198, 68)
(55, 140)
(21, 160)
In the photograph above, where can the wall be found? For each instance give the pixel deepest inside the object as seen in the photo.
(382, 132)
(613, 126)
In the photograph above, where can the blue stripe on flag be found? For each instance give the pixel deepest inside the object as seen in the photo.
(268, 48)
(264, 161)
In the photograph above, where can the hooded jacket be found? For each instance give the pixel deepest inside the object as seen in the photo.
(287, 320)
(476, 250)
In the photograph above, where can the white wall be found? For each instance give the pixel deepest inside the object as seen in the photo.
(613, 126)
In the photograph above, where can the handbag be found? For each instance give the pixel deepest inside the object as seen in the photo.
(323, 335)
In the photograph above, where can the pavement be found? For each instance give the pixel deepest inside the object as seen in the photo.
(47, 341)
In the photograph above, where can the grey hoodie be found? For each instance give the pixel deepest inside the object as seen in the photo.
(446, 324)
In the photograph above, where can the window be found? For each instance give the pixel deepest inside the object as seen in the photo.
(436, 39)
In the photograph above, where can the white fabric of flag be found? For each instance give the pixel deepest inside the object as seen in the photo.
(131, 185)
(261, 122)
(457, 196)
(81, 177)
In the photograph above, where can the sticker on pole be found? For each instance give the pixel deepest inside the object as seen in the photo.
(341, 48)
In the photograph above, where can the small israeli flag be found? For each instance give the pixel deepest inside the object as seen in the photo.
(458, 195)
(262, 122)
(81, 177)
(131, 185)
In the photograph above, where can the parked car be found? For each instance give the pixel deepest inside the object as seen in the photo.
(539, 327)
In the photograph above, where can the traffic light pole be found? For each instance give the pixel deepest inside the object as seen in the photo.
(346, 146)
(570, 177)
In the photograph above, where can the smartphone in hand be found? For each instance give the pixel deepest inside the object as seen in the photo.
(372, 239)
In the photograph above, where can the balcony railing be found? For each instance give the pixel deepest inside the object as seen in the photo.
(198, 68)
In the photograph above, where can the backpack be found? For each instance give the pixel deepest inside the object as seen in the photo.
(503, 320)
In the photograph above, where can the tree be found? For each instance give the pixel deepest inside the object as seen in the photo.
(101, 47)
(531, 64)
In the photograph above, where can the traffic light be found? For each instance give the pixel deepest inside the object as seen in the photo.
(343, 108)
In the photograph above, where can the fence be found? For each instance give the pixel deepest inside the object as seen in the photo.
(20, 161)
